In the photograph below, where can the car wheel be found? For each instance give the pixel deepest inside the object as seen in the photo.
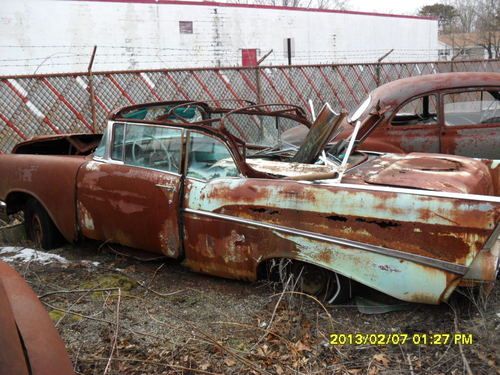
(39, 226)
(326, 285)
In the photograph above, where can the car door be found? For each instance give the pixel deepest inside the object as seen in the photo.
(471, 122)
(413, 127)
(212, 244)
(129, 193)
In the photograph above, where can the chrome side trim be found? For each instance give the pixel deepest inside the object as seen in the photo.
(493, 239)
(426, 193)
(3, 211)
(446, 266)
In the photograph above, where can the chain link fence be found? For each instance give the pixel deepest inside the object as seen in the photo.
(63, 103)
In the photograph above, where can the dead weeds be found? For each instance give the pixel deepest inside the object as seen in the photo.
(122, 316)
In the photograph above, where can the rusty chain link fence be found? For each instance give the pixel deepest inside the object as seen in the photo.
(79, 102)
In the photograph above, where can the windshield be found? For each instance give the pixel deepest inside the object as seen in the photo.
(259, 130)
(267, 135)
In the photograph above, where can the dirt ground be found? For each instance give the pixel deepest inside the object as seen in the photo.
(120, 315)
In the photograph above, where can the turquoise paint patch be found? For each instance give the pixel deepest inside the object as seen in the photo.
(401, 279)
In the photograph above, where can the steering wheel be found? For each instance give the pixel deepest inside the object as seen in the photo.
(173, 164)
(136, 146)
(167, 155)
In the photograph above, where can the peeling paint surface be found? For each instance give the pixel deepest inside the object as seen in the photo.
(480, 139)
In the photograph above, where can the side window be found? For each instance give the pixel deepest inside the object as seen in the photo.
(117, 146)
(209, 158)
(472, 108)
(419, 111)
(153, 147)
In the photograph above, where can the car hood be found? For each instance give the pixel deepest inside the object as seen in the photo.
(435, 172)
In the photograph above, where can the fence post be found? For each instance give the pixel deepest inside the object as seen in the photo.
(378, 66)
(91, 89)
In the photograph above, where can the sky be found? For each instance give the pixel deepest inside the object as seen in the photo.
(389, 6)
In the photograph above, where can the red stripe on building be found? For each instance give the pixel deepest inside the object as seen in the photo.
(258, 6)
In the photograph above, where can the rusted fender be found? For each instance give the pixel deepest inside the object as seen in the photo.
(494, 168)
(388, 239)
(49, 179)
(12, 360)
(44, 351)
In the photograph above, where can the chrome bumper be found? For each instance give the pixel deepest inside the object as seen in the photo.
(3, 211)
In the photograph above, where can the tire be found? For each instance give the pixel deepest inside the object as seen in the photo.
(325, 285)
(39, 226)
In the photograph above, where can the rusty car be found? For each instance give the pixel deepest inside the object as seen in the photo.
(29, 341)
(216, 187)
(448, 113)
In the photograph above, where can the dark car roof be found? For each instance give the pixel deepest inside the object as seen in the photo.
(396, 92)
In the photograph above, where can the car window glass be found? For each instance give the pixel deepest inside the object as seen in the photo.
(181, 114)
(101, 149)
(419, 111)
(153, 147)
(472, 108)
(117, 147)
(209, 158)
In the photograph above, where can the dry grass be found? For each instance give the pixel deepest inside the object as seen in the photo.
(172, 321)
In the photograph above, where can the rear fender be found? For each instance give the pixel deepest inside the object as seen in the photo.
(51, 180)
(390, 239)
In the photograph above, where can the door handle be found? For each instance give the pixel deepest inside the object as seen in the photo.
(166, 187)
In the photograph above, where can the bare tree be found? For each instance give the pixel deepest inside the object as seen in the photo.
(466, 15)
(488, 27)
(320, 4)
(469, 23)
(333, 4)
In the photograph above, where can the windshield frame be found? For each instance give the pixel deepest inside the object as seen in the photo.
(360, 110)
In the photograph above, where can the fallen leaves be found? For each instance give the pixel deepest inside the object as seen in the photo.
(382, 358)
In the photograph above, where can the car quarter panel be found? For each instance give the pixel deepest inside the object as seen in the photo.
(49, 179)
(479, 140)
(399, 139)
(390, 241)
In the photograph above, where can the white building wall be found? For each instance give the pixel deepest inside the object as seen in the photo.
(57, 36)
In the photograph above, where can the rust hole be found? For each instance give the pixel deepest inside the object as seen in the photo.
(380, 223)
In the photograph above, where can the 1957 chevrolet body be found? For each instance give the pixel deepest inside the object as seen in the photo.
(219, 189)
